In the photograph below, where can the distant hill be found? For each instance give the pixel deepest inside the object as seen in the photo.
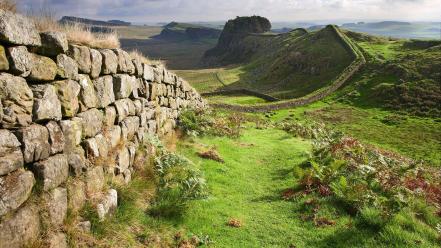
(183, 31)
(73, 19)
(397, 29)
(400, 74)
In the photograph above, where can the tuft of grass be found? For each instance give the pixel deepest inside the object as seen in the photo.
(8, 5)
(138, 55)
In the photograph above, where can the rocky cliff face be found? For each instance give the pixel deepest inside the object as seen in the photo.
(63, 108)
(230, 48)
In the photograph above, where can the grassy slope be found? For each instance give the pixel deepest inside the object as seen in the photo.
(248, 187)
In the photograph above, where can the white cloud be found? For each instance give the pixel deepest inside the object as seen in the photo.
(276, 10)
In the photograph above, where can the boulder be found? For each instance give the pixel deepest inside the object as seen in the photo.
(97, 60)
(21, 229)
(122, 159)
(94, 180)
(53, 43)
(4, 63)
(77, 161)
(17, 29)
(35, 142)
(56, 137)
(108, 205)
(139, 68)
(109, 116)
(76, 192)
(68, 92)
(91, 122)
(72, 131)
(104, 90)
(148, 73)
(21, 61)
(110, 62)
(56, 206)
(129, 127)
(43, 68)
(67, 67)
(158, 73)
(113, 136)
(47, 106)
(52, 172)
(15, 189)
(124, 108)
(81, 54)
(88, 97)
(57, 240)
(125, 64)
(11, 157)
(123, 85)
(17, 100)
(96, 147)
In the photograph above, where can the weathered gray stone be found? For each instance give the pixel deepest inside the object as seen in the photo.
(104, 90)
(158, 74)
(15, 189)
(129, 127)
(77, 161)
(122, 159)
(21, 61)
(68, 92)
(125, 64)
(56, 204)
(47, 106)
(53, 43)
(139, 68)
(123, 85)
(52, 171)
(72, 130)
(169, 77)
(91, 122)
(56, 137)
(43, 68)
(67, 67)
(76, 195)
(97, 60)
(88, 97)
(152, 126)
(84, 226)
(108, 205)
(139, 107)
(127, 176)
(21, 229)
(11, 157)
(110, 61)
(113, 136)
(154, 91)
(17, 29)
(96, 147)
(81, 54)
(4, 63)
(57, 240)
(35, 142)
(109, 116)
(124, 108)
(17, 100)
(148, 73)
(94, 180)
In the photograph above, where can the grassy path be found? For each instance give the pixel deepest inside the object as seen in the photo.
(247, 187)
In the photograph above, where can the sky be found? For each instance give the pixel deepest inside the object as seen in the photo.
(147, 11)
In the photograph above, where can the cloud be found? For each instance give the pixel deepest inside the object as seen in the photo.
(209, 10)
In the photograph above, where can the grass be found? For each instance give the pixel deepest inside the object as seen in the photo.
(415, 137)
(246, 190)
(236, 99)
(8, 5)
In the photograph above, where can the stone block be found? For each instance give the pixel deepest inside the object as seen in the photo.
(11, 157)
(52, 171)
(68, 92)
(110, 62)
(53, 43)
(56, 137)
(88, 97)
(67, 68)
(47, 106)
(43, 68)
(81, 54)
(91, 122)
(17, 29)
(15, 189)
(96, 60)
(104, 90)
(35, 143)
(56, 206)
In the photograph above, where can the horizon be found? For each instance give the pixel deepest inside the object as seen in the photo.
(317, 11)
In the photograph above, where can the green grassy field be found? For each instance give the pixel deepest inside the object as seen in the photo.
(236, 99)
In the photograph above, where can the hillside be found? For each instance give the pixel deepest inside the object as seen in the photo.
(184, 31)
(73, 19)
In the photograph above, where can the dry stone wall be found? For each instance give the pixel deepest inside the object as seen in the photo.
(62, 108)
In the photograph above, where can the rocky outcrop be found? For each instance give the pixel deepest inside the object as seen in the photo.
(71, 119)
